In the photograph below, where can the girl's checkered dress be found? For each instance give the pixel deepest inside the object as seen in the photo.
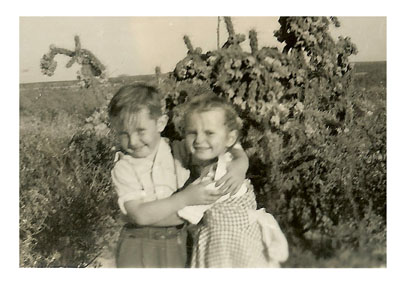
(224, 237)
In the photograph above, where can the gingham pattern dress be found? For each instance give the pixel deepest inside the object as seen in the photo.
(225, 239)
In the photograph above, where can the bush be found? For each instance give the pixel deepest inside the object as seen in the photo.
(67, 208)
(317, 145)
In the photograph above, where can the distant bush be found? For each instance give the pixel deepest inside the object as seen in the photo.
(47, 103)
(370, 74)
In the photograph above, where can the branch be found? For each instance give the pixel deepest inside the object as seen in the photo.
(229, 26)
(253, 41)
(188, 43)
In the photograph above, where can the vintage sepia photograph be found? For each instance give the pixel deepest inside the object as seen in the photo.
(203, 142)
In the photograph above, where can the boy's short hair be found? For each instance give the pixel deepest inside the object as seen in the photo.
(209, 101)
(132, 98)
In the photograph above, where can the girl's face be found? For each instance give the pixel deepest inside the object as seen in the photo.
(140, 135)
(206, 134)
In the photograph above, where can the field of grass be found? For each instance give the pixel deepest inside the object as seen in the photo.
(44, 101)
(54, 161)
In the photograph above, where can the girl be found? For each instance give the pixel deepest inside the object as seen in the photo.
(231, 233)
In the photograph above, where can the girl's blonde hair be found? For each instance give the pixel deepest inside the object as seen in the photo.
(210, 101)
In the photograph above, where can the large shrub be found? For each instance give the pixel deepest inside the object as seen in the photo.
(317, 146)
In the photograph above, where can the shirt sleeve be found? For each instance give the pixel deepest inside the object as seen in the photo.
(237, 146)
(126, 184)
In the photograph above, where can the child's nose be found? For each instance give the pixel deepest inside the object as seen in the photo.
(134, 140)
(199, 138)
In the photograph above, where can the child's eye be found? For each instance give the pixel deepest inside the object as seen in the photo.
(190, 132)
(209, 133)
(141, 131)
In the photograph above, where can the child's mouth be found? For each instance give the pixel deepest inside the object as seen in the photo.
(201, 148)
(136, 149)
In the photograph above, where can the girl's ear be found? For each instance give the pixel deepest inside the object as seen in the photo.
(232, 138)
(162, 122)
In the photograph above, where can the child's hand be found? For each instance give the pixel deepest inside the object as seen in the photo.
(231, 181)
(236, 172)
(196, 193)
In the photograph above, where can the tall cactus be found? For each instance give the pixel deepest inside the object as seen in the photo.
(91, 67)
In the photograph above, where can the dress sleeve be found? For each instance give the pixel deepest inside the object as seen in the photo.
(126, 184)
(274, 241)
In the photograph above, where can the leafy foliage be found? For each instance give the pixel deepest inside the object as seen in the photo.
(314, 160)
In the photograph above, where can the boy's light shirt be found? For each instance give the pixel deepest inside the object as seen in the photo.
(195, 213)
(147, 179)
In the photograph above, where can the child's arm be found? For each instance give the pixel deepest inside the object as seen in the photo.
(161, 212)
(236, 171)
(172, 220)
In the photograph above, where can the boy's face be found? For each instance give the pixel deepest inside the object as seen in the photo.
(140, 135)
(206, 134)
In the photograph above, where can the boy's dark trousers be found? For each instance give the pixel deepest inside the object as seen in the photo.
(152, 247)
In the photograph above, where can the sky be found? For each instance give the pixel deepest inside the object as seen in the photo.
(136, 45)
